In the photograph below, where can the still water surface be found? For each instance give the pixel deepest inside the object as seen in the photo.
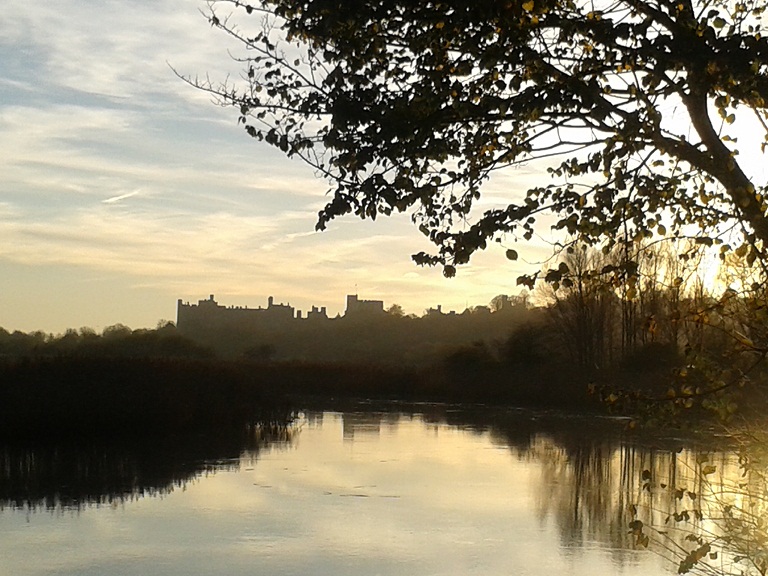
(440, 492)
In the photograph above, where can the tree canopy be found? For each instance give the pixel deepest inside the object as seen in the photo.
(411, 105)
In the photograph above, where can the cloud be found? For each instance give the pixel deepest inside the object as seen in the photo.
(112, 49)
(113, 165)
(119, 197)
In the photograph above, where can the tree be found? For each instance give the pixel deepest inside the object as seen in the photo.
(583, 310)
(395, 310)
(405, 105)
(501, 303)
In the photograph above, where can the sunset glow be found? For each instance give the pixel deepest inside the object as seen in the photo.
(124, 189)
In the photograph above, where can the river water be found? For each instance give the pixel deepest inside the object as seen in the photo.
(432, 491)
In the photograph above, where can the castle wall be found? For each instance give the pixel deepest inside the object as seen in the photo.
(208, 315)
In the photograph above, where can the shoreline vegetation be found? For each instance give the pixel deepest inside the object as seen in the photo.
(108, 396)
(159, 383)
(670, 347)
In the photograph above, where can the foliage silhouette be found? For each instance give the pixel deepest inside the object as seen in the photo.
(717, 524)
(406, 105)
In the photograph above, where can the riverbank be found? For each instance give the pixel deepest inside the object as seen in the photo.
(71, 395)
(129, 397)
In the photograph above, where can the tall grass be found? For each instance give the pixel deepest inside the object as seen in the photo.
(50, 397)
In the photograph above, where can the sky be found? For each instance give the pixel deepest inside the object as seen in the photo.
(123, 189)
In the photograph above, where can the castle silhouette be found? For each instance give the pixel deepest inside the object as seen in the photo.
(210, 314)
(364, 334)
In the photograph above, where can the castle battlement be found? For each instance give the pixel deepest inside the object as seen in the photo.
(210, 314)
(207, 314)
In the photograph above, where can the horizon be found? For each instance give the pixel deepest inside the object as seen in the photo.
(331, 312)
(125, 189)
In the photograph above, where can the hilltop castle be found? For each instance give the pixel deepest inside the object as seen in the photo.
(208, 314)
(364, 333)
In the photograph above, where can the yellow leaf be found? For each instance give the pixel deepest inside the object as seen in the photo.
(743, 339)
(528, 6)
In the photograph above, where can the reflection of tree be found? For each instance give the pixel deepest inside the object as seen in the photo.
(591, 473)
(595, 480)
(74, 475)
(728, 499)
(578, 491)
(596, 488)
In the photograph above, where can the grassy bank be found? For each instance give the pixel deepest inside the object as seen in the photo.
(117, 396)
(52, 397)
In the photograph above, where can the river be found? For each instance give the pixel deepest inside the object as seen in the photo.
(432, 490)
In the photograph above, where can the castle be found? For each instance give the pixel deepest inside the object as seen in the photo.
(208, 314)
(364, 333)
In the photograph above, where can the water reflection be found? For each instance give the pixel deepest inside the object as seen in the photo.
(430, 489)
(67, 475)
(595, 476)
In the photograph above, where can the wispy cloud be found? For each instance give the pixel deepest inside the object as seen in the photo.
(112, 165)
(113, 199)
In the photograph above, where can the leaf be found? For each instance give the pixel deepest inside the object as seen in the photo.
(708, 469)
(464, 90)
(693, 558)
(512, 254)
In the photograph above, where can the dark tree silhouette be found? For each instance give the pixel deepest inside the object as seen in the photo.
(411, 105)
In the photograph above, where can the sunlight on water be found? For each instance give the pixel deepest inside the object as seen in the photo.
(356, 494)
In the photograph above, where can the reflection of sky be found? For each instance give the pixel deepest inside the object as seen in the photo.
(410, 498)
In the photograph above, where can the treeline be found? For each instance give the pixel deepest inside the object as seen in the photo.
(658, 327)
(381, 339)
(653, 325)
(671, 320)
(125, 384)
(114, 341)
